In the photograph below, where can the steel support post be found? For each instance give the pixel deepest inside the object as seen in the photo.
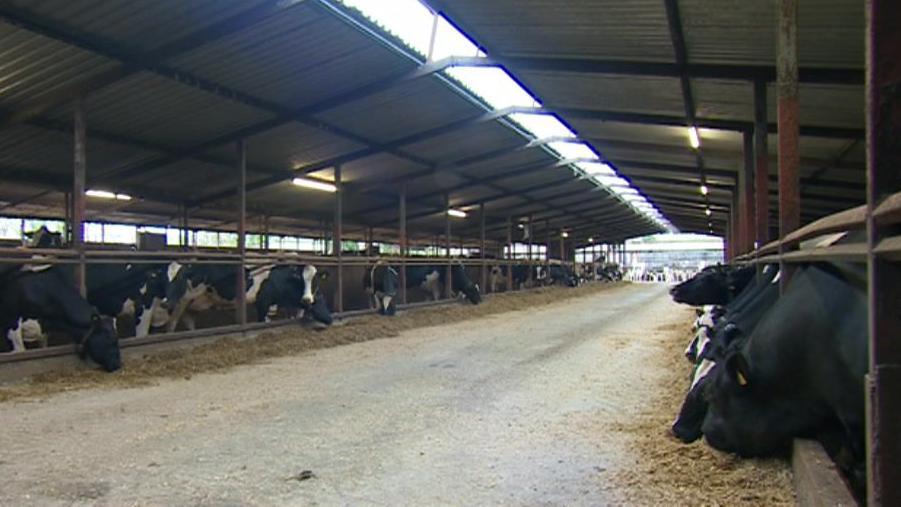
(761, 166)
(883, 85)
(338, 238)
(483, 272)
(402, 225)
(78, 197)
(788, 128)
(509, 253)
(241, 279)
(448, 282)
(531, 230)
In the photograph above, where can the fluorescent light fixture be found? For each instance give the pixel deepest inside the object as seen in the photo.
(456, 213)
(693, 137)
(704, 190)
(707, 212)
(314, 184)
(564, 234)
(106, 194)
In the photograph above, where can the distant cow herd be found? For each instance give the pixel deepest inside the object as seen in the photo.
(771, 368)
(38, 298)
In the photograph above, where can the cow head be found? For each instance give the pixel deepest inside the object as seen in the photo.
(715, 285)
(747, 416)
(101, 344)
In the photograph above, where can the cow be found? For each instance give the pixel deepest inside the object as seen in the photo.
(46, 293)
(199, 287)
(519, 275)
(715, 285)
(128, 289)
(717, 331)
(799, 373)
(381, 283)
(497, 278)
(559, 274)
(43, 238)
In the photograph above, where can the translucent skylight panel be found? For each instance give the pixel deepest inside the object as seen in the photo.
(409, 20)
(596, 168)
(494, 86)
(572, 150)
(611, 181)
(628, 190)
(450, 42)
(542, 126)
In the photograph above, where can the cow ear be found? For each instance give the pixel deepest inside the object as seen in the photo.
(737, 367)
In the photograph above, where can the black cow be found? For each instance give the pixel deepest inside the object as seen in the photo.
(714, 285)
(717, 330)
(382, 282)
(199, 287)
(46, 293)
(559, 274)
(43, 238)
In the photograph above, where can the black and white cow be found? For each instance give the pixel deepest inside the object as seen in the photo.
(381, 283)
(558, 274)
(799, 373)
(46, 294)
(714, 285)
(129, 289)
(200, 287)
(519, 276)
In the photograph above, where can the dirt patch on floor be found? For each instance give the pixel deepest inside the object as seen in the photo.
(667, 471)
(226, 353)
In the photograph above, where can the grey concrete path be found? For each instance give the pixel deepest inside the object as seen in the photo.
(508, 409)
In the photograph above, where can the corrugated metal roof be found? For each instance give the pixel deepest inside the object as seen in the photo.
(830, 32)
(634, 29)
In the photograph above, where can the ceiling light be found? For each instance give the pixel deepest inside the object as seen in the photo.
(693, 137)
(707, 212)
(591, 240)
(564, 234)
(105, 194)
(456, 213)
(704, 189)
(315, 184)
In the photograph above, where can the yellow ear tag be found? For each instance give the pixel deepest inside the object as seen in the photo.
(742, 381)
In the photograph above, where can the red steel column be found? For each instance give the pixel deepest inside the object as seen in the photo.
(78, 198)
(788, 128)
(761, 166)
(883, 82)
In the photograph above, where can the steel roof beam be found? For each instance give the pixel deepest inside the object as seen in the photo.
(816, 75)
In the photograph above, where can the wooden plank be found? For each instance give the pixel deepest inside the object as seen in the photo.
(818, 482)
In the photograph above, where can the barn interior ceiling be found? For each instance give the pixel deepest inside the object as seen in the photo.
(606, 119)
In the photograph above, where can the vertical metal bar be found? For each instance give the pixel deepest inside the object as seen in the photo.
(883, 82)
(747, 191)
(338, 238)
(265, 239)
(788, 128)
(547, 241)
(483, 275)
(78, 197)
(241, 277)
(448, 285)
(67, 200)
(562, 248)
(529, 246)
(509, 253)
(185, 234)
(761, 163)
(402, 221)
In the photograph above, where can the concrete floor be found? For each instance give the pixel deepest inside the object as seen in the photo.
(508, 409)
